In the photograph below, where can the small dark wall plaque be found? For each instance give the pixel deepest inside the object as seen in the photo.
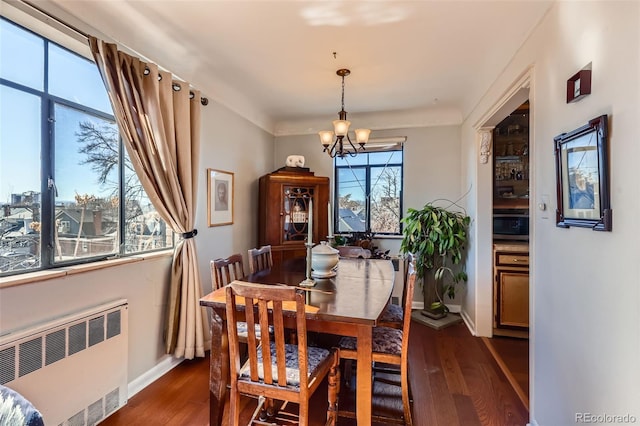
(579, 86)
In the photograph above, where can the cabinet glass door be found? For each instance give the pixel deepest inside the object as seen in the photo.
(296, 212)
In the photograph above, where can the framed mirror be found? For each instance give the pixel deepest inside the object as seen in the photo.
(582, 177)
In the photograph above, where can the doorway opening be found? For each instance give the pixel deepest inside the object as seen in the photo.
(503, 286)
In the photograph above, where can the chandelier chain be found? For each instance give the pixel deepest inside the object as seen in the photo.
(343, 93)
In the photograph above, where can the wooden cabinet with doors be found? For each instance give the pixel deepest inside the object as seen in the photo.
(511, 289)
(283, 211)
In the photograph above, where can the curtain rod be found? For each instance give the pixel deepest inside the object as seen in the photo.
(46, 16)
(389, 139)
(30, 8)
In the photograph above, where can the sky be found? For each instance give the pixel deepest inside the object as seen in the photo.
(71, 77)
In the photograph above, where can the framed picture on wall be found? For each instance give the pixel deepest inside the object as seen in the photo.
(582, 177)
(219, 197)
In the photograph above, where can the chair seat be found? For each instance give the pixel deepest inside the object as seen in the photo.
(315, 357)
(242, 330)
(392, 313)
(385, 340)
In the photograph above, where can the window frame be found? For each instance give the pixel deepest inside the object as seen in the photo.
(367, 167)
(47, 160)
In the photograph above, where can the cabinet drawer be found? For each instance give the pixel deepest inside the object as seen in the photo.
(512, 259)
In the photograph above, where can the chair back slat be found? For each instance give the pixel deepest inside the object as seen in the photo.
(302, 338)
(260, 259)
(266, 341)
(225, 270)
(409, 261)
(252, 341)
(278, 332)
(408, 302)
(232, 327)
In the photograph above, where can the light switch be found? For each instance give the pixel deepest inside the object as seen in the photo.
(543, 206)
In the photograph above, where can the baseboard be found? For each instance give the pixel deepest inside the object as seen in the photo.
(417, 305)
(455, 309)
(469, 323)
(163, 367)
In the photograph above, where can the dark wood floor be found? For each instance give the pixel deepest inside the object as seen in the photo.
(454, 381)
(512, 355)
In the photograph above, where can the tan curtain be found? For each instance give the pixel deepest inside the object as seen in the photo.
(160, 127)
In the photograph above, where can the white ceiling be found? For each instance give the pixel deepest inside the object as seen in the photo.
(412, 62)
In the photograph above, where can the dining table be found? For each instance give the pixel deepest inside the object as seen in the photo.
(347, 304)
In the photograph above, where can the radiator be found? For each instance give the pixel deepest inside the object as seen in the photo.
(74, 368)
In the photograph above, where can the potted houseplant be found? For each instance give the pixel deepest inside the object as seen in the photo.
(436, 237)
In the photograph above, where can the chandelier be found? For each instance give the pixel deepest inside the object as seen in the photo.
(336, 148)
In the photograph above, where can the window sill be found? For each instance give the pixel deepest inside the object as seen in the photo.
(375, 236)
(38, 276)
(388, 237)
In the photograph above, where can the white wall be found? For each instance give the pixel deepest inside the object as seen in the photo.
(233, 144)
(431, 166)
(585, 301)
(228, 143)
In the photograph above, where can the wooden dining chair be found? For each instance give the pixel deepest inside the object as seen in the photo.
(259, 259)
(390, 346)
(393, 315)
(224, 271)
(284, 372)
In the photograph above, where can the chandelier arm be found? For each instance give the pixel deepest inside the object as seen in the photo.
(355, 150)
(335, 148)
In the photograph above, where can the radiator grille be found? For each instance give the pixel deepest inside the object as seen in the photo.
(8, 365)
(55, 347)
(96, 331)
(30, 356)
(113, 324)
(77, 338)
(77, 419)
(94, 413)
(111, 402)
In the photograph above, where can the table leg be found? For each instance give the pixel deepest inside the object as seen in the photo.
(219, 368)
(364, 376)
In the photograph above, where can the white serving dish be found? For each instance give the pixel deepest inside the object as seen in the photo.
(324, 259)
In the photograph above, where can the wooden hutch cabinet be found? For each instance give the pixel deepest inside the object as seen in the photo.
(284, 197)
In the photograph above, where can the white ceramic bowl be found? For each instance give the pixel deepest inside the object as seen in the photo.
(323, 259)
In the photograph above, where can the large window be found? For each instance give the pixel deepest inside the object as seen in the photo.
(63, 169)
(368, 193)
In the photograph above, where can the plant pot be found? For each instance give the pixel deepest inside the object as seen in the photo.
(433, 306)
